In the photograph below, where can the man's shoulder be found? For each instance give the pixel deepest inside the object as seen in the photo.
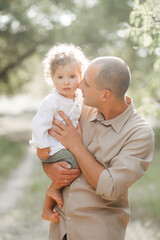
(137, 123)
(138, 119)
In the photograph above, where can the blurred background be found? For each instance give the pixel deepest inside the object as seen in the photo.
(127, 29)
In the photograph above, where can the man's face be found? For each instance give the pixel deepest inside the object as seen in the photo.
(91, 95)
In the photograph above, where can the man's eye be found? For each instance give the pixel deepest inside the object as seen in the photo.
(72, 76)
(59, 77)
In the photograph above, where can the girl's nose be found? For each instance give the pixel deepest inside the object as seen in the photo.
(66, 81)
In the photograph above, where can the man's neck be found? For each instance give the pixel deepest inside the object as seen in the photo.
(114, 109)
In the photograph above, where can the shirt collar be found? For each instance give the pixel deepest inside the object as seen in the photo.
(118, 122)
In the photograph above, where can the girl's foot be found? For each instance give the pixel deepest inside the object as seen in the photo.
(56, 195)
(50, 215)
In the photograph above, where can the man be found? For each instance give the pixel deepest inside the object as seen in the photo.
(115, 151)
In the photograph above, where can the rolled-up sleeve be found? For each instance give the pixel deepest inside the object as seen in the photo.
(128, 165)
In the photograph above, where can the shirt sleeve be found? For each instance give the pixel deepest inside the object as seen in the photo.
(128, 166)
(42, 122)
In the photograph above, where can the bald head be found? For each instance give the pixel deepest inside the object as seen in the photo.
(113, 74)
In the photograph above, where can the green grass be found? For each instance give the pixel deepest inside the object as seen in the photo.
(24, 220)
(35, 194)
(11, 152)
(30, 206)
(145, 194)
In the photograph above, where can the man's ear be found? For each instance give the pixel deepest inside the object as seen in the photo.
(106, 95)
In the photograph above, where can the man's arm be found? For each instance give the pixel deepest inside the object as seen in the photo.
(70, 138)
(128, 166)
(125, 168)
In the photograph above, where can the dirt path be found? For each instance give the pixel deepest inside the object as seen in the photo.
(14, 222)
(16, 183)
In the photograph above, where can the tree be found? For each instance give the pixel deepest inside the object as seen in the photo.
(29, 28)
(145, 34)
(145, 24)
(26, 28)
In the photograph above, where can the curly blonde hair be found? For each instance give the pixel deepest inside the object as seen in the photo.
(61, 55)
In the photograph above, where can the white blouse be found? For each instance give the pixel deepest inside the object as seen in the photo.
(49, 108)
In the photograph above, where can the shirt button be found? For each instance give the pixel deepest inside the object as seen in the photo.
(78, 179)
(68, 218)
(71, 194)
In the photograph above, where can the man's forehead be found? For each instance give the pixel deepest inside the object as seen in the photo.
(90, 74)
(93, 69)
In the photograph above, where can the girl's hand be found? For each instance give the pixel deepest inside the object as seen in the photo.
(43, 153)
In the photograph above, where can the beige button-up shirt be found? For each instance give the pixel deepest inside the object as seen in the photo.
(124, 146)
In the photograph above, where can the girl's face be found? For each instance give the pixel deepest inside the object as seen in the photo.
(66, 79)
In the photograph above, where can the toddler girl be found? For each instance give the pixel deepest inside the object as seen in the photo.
(63, 67)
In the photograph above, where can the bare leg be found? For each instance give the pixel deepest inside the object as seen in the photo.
(48, 213)
(55, 194)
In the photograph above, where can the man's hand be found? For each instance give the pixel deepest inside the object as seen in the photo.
(70, 138)
(67, 134)
(43, 153)
(61, 173)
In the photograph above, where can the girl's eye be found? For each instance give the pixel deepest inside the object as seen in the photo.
(72, 76)
(59, 77)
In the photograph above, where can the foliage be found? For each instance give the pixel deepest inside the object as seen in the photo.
(26, 26)
(29, 28)
(145, 22)
(145, 34)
